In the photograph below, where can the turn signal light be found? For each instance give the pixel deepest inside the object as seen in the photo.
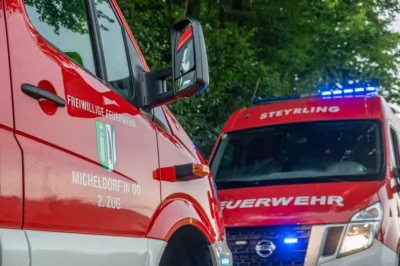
(201, 170)
(186, 172)
(183, 172)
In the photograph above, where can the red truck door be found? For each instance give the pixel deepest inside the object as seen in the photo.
(88, 153)
(194, 195)
(10, 154)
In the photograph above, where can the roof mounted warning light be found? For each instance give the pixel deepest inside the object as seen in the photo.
(350, 90)
(332, 91)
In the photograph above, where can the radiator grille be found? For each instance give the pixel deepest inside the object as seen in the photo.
(243, 240)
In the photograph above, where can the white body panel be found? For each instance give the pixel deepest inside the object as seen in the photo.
(39, 248)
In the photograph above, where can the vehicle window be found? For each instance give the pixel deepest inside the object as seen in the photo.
(113, 43)
(133, 55)
(159, 113)
(227, 160)
(395, 148)
(136, 63)
(66, 29)
(162, 119)
(300, 150)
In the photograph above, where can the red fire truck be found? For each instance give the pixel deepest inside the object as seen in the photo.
(311, 179)
(94, 168)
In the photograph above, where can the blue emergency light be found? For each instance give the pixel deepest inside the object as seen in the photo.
(291, 240)
(350, 91)
(337, 91)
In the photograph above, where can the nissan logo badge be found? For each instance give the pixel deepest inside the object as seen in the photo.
(265, 248)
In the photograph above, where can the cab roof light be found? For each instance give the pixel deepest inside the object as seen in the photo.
(335, 91)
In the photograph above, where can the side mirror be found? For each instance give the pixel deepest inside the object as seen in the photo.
(189, 70)
(189, 59)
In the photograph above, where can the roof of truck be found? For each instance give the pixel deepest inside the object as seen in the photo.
(307, 109)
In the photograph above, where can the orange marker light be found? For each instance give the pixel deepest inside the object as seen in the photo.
(201, 170)
(190, 171)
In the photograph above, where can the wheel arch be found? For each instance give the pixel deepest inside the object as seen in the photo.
(175, 212)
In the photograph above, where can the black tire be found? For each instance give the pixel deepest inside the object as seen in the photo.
(186, 250)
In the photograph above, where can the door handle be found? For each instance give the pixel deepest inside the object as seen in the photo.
(38, 93)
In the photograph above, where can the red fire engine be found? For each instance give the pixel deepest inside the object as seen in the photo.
(94, 168)
(311, 179)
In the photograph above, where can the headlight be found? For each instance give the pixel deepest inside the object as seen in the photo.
(362, 230)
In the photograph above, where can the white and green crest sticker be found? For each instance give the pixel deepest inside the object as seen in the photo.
(106, 145)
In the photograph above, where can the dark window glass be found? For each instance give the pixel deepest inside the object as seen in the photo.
(64, 24)
(159, 113)
(136, 63)
(161, 120)
(338, 149)
(115, 55)
(133, 55)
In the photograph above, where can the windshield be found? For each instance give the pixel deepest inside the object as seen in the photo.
(334, 150)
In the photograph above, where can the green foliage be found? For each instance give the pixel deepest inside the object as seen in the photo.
(290, 46)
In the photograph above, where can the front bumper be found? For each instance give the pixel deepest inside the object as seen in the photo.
(316, 245)
(222, 256)
(377, 255)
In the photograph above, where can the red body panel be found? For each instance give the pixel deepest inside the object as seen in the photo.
(179, 133)
(189, 196)
(50, 159)
(271, 210)
(64, 181)
(186, 211)
(11, 186)
(303, 110)
(296, 204)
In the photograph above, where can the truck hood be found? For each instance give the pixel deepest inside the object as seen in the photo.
(296, 204)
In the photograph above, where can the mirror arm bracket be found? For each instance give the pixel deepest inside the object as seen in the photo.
(160, 74)
(153, 87)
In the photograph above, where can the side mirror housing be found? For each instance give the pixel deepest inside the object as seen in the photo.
(189, 70)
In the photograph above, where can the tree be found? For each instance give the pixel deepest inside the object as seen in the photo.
(289, 46)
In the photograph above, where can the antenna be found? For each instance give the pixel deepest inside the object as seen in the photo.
(255, 89)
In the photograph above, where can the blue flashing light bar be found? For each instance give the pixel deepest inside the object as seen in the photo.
(335, 92)
(291, 240)
(350, 91)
